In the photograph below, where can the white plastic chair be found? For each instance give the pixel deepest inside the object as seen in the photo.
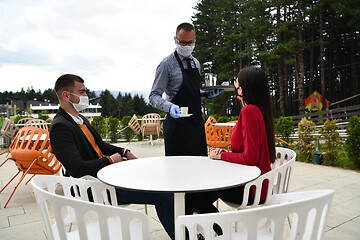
(308, 211)
(278, 179)
(88, 177)
(93, 220)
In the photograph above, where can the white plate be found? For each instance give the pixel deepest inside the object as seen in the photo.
(184, 115)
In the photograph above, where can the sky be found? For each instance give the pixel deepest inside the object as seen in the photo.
(111, 44)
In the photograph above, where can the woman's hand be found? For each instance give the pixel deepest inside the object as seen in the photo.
(215, 153)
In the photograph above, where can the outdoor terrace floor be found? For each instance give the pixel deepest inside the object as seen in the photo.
(21, 219)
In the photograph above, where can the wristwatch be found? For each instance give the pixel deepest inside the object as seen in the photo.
(125, 152)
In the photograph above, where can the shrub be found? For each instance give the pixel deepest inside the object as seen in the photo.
(235, 118)
(17, 118)
(223, 119)
(352, 143)
(127, 132)
(306, 141)
(332, 144)
(43, 117)
(284, 128)
(215, 116)
(113, 124)
(100, 125)
(204, 117)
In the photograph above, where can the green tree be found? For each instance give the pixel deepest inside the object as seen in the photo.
(113, 124)
(332, 143)
(128, 108)
(127, 132)
(108, 104)
(352, 143)
(284, 128)
(306, 143)
(100, 125)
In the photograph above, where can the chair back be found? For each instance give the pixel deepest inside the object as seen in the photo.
(218, 136)
(39, 123)
(277, 180)
(308, 212)
(32, 152)
(49, 120)
(135, 125)
(209, 122)
(151, 118)
(24, 120)
(93, 220)
(9, 129)
(151, 124)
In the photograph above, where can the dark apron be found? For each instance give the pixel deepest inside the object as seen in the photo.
(186, 135)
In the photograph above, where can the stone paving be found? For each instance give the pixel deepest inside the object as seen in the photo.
(21, 219)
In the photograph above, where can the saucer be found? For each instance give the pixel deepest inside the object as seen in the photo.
(184, 115)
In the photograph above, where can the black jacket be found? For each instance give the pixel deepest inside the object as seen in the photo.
(72, 148)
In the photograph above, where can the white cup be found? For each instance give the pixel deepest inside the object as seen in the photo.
(184, 110)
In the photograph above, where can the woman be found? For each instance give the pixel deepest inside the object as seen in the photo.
(252, 140)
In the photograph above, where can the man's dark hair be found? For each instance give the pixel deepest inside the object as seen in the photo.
(66, 82)
(186, 26)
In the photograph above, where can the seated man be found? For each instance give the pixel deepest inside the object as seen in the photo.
(80, 149)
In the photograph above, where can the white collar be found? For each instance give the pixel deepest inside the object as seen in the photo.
(182, 57)
(78, 120)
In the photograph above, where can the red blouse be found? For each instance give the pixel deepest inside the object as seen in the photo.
(249, 142)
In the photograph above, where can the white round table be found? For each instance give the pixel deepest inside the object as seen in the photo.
(178, 175)
(227, 124)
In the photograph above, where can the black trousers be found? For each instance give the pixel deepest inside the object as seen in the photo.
(202, 202)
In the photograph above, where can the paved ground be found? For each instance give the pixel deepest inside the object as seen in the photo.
(21, 219)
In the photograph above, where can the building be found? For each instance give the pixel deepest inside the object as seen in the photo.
(90, 112)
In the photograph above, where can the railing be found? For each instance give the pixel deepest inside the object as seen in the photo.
(340, 114)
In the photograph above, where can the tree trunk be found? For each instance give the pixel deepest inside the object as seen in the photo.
(311, 64)
(281, 89)
(322, 64)
(354, 76)
(286, 90)
(301, 67)
(280, 72)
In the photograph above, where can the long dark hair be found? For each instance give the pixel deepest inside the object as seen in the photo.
(256, 91)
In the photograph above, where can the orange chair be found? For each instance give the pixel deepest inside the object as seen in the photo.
(11, 147)
(218, 136)
(210, 121)
(32, 154)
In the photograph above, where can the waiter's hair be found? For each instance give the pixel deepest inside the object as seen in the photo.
(256, 91)
(186, 26)
(65, 82)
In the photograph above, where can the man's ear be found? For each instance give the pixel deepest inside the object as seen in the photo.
(65, 95)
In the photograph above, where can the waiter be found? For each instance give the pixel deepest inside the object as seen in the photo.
(178, 75)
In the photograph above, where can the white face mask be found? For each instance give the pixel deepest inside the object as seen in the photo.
(184, 51)
(83, 103)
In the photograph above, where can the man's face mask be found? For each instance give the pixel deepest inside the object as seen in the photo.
(83, 103)
(185, 50)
